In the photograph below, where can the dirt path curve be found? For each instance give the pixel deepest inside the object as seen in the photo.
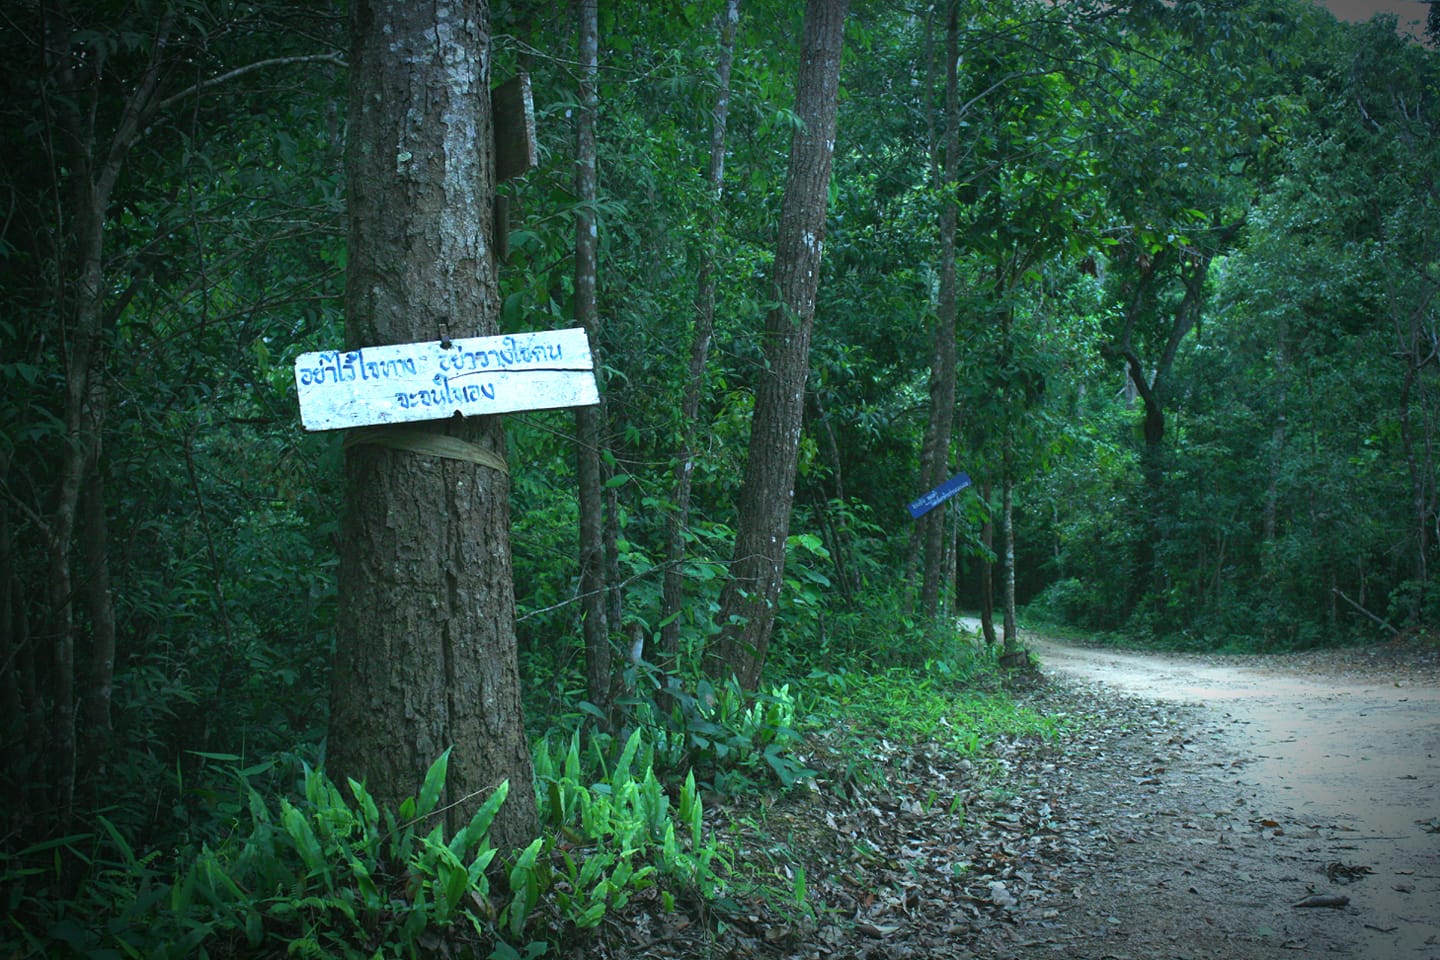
(1294, 776)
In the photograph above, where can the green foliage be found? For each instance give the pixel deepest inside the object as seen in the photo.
(878, 632)
(619, 834)
(323, 875)
(1295, 482)
(330, 875)
(736, 741)
(945, 702)
(1290, 493)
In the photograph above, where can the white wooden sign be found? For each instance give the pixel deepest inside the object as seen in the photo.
(403, 383)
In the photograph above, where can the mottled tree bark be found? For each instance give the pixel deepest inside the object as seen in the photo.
(748, 602)
(426, 656)
(1011, 633)
(987, 569)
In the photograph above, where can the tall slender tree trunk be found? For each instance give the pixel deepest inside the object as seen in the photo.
(914, 551)
(599, 652)
(987, 569)
(942, 367)
(1269, 519)
(1192, 269)
(837, 532)
(1007, 530)
(426, 657)
(96, 692)
(92, 113)
(1011, 653)
(952, 565)
(1421, 350)
(15, 758)
(94, 168)
(750, 596)
(672, 593)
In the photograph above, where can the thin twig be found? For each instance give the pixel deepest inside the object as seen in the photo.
(659, 568)
(229, 75)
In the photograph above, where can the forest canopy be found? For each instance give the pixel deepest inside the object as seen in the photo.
(1160, 278)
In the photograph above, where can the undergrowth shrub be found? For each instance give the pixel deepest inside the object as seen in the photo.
(734, 740)
(618, 836)
(878, 632)
(329, 873)
(319, 876)
(946, 702)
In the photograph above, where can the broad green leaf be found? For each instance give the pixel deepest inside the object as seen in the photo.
(475, 831)
(434, 784)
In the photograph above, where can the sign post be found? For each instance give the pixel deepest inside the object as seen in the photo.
(929, 501)
(404, 383)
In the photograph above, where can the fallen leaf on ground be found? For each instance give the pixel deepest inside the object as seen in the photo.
(1324, 900)
(1346, 872)
(876, 930)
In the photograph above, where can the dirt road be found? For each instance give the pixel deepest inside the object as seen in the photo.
(1283, 779)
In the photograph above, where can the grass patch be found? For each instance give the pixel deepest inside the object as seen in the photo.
(914, 764)
(963, 709)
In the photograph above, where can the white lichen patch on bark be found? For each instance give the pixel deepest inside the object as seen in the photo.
(464, 67)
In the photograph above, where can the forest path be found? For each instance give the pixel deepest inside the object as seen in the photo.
(1291, 776)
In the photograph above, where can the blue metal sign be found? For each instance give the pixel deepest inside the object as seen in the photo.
(939, 495)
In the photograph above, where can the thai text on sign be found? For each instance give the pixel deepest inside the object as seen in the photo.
(404, 383)
(929, 501)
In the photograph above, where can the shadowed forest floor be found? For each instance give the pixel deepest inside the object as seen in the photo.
(1188, 807)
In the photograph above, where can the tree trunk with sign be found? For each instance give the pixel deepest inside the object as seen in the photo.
(426, 655)
(748, 602)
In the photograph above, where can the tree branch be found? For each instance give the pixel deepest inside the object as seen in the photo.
(132, 119)
(238, 72)
(1341, 594)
